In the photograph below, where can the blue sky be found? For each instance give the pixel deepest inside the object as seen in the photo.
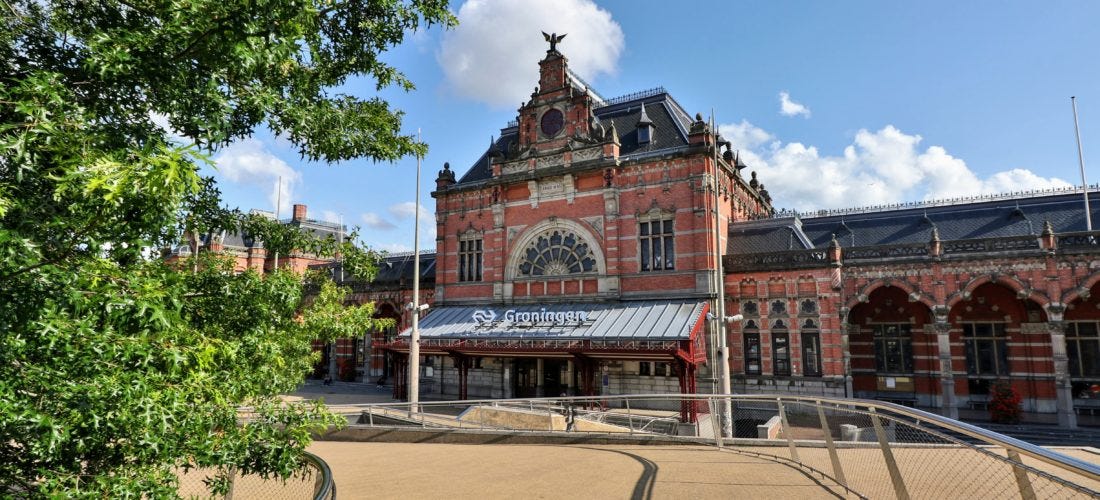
(834, 104)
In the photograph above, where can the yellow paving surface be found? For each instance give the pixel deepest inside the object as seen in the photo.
(422, 470)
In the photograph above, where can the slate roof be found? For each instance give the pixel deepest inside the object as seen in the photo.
(671, 124)
(641, 320)
(1009, 215)
(393, 270)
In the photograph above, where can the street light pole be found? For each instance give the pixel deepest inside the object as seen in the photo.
(723, 360)
(414, 340)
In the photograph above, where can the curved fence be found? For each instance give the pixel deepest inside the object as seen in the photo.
(871, 449)
(313, 481)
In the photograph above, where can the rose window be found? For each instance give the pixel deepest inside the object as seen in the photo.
(555, 253)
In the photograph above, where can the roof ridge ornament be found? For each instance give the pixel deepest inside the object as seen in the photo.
(554, 39)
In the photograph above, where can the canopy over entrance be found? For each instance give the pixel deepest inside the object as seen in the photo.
(625, 330)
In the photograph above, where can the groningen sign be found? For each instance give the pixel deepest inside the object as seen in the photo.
(483, 316)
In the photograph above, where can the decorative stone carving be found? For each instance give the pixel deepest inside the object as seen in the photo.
(596, 223)
(587, 154)
(549, 161)
(513, 167)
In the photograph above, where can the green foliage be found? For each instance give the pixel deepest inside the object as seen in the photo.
(114, 367)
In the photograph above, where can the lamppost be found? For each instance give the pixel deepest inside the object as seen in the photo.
(415, 307)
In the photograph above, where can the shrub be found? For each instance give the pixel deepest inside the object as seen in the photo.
(1004, 403)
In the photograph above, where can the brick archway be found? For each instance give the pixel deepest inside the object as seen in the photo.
(913, 295)
(1017, 287)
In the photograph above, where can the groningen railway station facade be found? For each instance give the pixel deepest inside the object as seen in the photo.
(579, 256)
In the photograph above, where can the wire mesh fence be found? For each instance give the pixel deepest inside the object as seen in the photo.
(873, 449)
(312, 481)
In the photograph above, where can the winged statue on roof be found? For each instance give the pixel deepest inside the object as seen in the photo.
(553, 38)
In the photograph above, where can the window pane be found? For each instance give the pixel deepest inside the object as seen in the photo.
(1086, 329)
(986, 356)
(645, 255)
(752, 353)
(643, 229)
(668, 227)
(971, 358)
(811, 354)
(1090, 358)
(657, 253)
(670, 255)
(782, 355)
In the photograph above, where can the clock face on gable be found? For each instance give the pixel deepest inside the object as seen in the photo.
(552, 122)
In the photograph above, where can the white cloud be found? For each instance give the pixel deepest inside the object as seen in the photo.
(491, 55)
(375, 221)
(405, 211)
(745, 134)
(880, 167)
(249, 162)
(331, 216)
(787, 107)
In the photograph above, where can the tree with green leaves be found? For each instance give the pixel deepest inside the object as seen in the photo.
(117, 369)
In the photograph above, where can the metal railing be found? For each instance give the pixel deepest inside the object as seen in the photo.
(314, 481)
(871, 449)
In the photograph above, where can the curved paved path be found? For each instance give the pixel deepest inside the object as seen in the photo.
(429, 470)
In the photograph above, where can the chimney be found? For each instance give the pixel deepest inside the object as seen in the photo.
(299, 212)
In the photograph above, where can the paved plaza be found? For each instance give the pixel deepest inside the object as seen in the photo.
(437, 470)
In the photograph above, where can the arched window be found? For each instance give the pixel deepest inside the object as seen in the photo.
(781, 349)
(557, 252)
(752, 348)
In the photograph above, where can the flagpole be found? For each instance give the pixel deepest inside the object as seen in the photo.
(1081, 162)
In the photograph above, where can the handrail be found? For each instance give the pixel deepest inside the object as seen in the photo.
(326, 486)
(1077, 466)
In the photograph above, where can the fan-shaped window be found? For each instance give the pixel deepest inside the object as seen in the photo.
(808, 307)
(555, 253)
(750, 308)
(779, 307)
(809, 324)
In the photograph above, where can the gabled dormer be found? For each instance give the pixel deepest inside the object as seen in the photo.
(645, 127)
(561, 107)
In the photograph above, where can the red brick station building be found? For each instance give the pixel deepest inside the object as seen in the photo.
(578, 256)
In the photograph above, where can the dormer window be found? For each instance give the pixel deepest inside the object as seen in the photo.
(645, 127)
